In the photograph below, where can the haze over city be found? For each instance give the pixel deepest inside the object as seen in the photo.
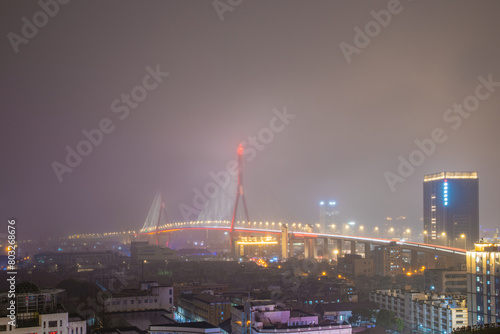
(332, 110)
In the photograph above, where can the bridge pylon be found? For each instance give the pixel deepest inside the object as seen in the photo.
(239, 193)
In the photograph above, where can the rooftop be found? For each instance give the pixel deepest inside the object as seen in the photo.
(131, 293)
(261, 302)
(210, 298)
(199, 324)
(336, 307)
(450, 175)
(486, 246)
(119, 330)
(301, 313)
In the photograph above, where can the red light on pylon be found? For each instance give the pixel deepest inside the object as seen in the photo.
(240, 150)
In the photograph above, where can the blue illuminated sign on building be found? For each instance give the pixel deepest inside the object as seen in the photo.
(445, 192)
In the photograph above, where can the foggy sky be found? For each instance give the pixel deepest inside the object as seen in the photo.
(352, 120)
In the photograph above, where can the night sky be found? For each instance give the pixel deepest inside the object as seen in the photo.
(231, 70)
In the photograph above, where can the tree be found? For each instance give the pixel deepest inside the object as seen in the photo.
(355, 317)
(388, 320)
(27, 287)
(360, 314)
(385, 319)
(366, 314)
(400, 325)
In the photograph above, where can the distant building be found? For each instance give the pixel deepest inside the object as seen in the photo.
(140, 319)
(204, 307)
(483, 283)
(451, 209)
(326, 216)
(340, 312)
(354, 265)
(327, 290)
(76, 324)
(150, 296)
(197, 288)
(39, 312)
(119, 330)
(422, 311)
(446, 281)
(77, 259)
(388, 259)
(142, 251)
(265, 316)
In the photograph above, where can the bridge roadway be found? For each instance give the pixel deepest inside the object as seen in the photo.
(414, 247)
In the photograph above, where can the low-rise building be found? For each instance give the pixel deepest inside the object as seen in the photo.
(446, 281)
(150, 296)
(39, 312)
(200, 327)
(265, 316)
(197, 288)
(354, 265)
(77, 259)
(142, 251)
(340, 312)
(204, 307)
(388, 259)
(423, 311)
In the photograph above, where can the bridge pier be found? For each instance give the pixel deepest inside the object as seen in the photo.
(340, 246)
(284, 243)
(353, 247)
(326, 250)
(368, 250)
(413, 260)
(310, 248)
(307, 249)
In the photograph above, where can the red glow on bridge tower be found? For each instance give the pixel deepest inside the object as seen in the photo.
(239, 190)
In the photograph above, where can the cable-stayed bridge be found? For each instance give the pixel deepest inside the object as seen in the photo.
(220, 213)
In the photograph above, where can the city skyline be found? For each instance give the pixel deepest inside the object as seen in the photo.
(101, 110)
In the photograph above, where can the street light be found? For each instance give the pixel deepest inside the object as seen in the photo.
(350, 226)
(463, 236)
(443, 234)
(408, 231)
(426, 237)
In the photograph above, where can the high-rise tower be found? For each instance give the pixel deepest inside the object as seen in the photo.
(451, 209)
(483, 283)
(326, 216)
